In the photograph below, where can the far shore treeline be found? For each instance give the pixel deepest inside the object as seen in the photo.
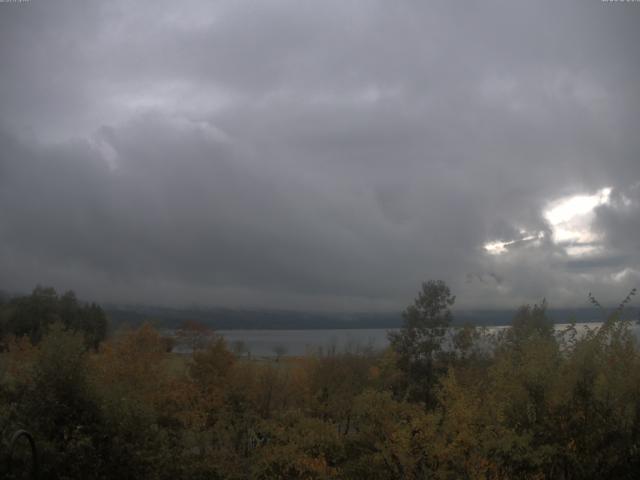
(266, 319)
(239, 319)
(104, 402)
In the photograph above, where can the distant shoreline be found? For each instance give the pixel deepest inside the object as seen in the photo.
(228, 319)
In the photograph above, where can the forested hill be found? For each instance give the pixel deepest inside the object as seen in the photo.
(229, 319)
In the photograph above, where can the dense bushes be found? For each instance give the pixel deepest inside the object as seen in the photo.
(528, 404)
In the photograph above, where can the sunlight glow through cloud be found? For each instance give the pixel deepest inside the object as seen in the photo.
(570, 219)
(498, 247)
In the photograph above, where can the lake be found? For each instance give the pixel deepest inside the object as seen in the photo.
(263, 343)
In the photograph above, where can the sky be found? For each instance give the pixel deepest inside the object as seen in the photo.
(320, 155)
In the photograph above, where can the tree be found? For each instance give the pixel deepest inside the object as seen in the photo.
(211, 366)
(32, 315)
(531, 320)
(419, 341)
(195, 335)
(131, 380)
(58, 406)
(391, 439)
(297, 447)
(279, 350)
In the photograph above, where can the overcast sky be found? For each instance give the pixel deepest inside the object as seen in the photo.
(324, 155)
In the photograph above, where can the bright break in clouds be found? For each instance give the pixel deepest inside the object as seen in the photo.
(320, 155)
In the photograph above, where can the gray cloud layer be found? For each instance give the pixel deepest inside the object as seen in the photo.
(324, 155)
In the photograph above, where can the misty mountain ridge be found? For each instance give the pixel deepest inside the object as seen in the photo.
(258, 319)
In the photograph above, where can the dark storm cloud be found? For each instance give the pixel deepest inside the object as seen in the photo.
(620, 220)
(315, 155)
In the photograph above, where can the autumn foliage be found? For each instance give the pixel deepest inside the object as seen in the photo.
(528, 403)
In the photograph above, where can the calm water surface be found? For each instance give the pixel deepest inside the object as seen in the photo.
(300, 342)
